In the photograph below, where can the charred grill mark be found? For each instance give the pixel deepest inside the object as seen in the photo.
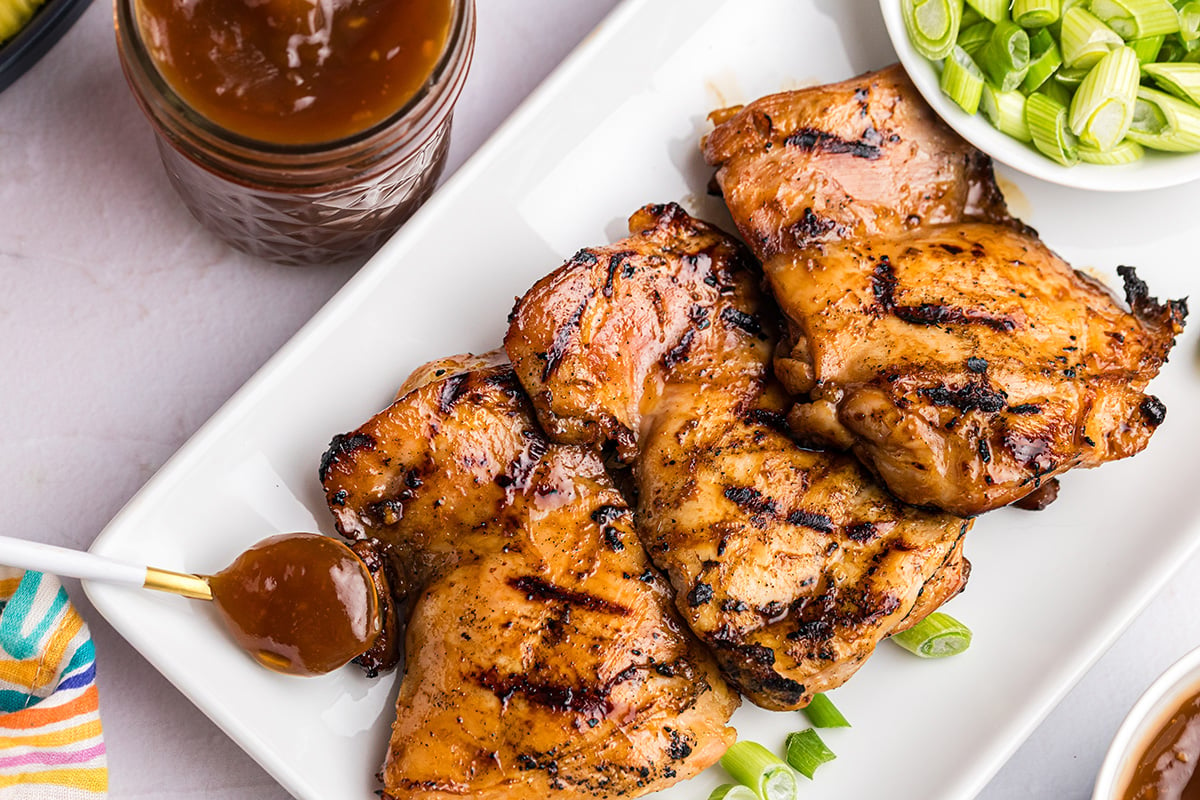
(451, 391)
(810, 226)
(822, 523)
(760, 506)
(752, 500)
(679, 747)
(614, 262)
(1153, 411)
(679, 352)
(968, 398)
(952, 249)
(584, 258)
(700, 594)
(985, 452)
(883, 286)
(862, 532)
(343, 444)
(816, 141)
(932, 314)
(535, 588)
(587, 701)
(1025, 408)
(977, 365)
(740, 319)
(1137, 295)
(768, 419)
(562, 338)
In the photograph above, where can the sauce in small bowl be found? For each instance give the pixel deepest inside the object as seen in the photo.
(1156, 751)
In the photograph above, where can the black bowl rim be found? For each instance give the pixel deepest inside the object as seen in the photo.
(33, 41)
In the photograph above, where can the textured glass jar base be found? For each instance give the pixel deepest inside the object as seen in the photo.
(309, 228)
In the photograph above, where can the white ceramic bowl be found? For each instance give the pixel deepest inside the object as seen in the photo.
(1151, 710)
(1155, 171)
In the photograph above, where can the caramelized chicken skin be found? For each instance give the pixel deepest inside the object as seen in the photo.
(790, 564)
(544, 655)
(928, 332)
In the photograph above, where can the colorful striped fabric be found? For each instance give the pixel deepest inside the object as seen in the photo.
(51, 744)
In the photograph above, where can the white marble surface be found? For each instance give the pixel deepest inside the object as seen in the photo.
(124, 326)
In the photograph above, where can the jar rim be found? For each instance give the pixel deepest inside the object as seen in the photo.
(129, 32)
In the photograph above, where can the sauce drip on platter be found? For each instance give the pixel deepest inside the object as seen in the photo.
(1166, 769)
(299, 603)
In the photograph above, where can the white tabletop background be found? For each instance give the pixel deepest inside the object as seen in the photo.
(124, 326)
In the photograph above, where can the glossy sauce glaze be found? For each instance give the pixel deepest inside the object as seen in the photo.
(295, 71)
(299, 603)
(1166, 769)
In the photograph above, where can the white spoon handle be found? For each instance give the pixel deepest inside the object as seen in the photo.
(89, 566)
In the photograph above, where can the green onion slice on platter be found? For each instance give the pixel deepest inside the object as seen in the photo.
(1005, 58)
(1181, 80)
(732, 791)
(993, 10)
(806, 751)
(822, 713)
(755, 766)
(1135, 19)
(1125, 152)
(939, 634)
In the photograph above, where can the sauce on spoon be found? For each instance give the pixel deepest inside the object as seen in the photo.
(299, 603)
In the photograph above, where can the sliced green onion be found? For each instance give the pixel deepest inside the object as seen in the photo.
(1134, 19)
(1181, 80)
(1067, 5)
(1147, 49)
(1006, 111)
(972, 39)
(932, 25)
(1070, 77)
(939, 634)
(1044, 60)
(806, 752)
(1005, 58)
(962, 81)
(1102, 109)
(753, 765)
(732, 791)
(994, 10)
(1035, 13)
(822, 713)
(1172, 50)
(1085, 39)
(1057, 91)
(1126, 152)
(969, 17)
(1189, 22)
(1164, 122)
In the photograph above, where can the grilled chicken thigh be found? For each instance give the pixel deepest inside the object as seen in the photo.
(790, 564)
(544, 655)
(929, 332)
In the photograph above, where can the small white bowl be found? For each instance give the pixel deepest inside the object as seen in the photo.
(1155, 171)
(1150, 712)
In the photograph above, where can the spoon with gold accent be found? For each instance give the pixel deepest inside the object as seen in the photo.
(298, 603)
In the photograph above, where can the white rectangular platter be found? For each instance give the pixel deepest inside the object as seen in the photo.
(618, 126)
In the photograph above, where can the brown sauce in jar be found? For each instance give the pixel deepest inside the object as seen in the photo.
(299, 603)
(1166, 769)
(295, 71)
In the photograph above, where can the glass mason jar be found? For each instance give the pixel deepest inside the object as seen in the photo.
(311, 203)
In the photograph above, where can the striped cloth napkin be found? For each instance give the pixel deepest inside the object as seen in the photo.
(51, 744)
